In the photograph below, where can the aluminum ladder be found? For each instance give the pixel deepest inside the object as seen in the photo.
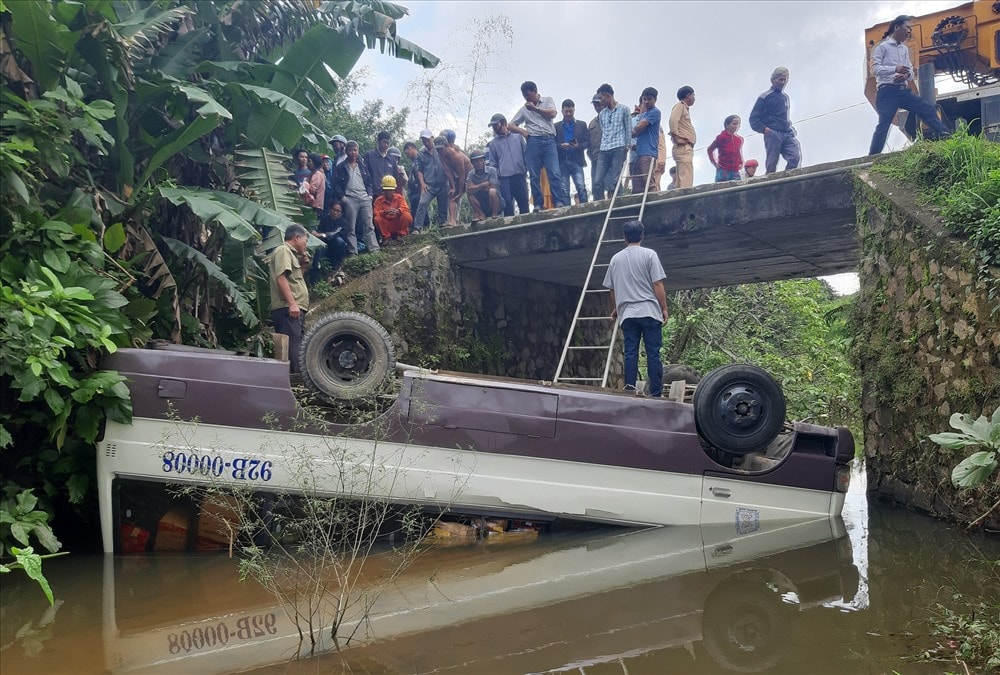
(579, 319)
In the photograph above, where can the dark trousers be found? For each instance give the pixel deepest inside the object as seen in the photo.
(334, 253)
(286, 325)
(892, 97)
(514, 188)
(650, 330)
(414, 196)
(438, 192)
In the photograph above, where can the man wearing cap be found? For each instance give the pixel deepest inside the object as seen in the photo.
(540, 152)
(392, 215)
(483, 186)
(893, 74)
(458, 166)
(616, 136)
(339, 145)
(770, 118)
(594, 131)
(683, 136)
(433, 179)
(506, 154)
(750, 167)
(402, 179)
(572, 141)
(353, 186)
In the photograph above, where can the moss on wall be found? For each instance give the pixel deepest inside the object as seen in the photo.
(445, 317)
(927, 344)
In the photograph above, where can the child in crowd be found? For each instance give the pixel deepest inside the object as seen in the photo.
(730, 147)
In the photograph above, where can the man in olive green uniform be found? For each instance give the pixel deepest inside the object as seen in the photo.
(289, 294)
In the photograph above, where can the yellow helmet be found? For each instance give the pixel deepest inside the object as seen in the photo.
(388, 183)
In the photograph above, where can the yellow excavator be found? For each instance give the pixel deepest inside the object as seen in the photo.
(962, 42)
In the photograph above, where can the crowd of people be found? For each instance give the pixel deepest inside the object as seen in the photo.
(363, 202)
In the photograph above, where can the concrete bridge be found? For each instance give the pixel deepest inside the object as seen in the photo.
(790, 225)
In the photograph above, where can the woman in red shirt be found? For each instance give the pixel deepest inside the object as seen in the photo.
(730, 147)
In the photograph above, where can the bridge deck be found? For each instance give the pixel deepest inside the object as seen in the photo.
(794, 224)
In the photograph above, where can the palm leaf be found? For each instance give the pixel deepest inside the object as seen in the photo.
(156, 273)
(178, 59)
(38, 38)
(141, 30)
(177, 141)
(213, 271)
(263, 171)
(239, 215)
(309, 57)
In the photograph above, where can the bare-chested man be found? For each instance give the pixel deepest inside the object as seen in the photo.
(458, 165)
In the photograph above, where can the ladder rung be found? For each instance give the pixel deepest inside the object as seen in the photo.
(591, 347)
(613, 241)
(581, 379)
(594, 318)
(602, 264)
(598, 290)
(623, 217)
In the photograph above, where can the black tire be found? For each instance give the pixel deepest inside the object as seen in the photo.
(738, 409)
(346, 356)
(745, 626)
(676, 371)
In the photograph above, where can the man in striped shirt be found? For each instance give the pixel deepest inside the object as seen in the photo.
(616, 133)
(893, 74)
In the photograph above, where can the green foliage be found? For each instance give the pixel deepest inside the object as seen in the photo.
(362, 125)
(960, 176)
(20, 519)
(967, 626)
(795, 330)
(126, 213)
(978, 467)
(356, 265)
(26, 559)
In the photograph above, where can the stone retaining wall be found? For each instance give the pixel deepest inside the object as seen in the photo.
(927, 342)
(451, 318)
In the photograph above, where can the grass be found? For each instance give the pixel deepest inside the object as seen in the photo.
(967, 629)
(959, 176)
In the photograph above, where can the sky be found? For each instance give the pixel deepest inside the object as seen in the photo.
(725, 50)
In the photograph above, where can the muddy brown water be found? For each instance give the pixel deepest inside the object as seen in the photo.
(828, 596)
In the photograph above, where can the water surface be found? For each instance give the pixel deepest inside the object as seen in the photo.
(826, 596)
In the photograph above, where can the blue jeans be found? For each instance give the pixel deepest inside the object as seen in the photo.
(781, 143)
(651, 332)
(889, 99)
(439, 192)
(570, 169)
(541, 152)
(609, 168)
(722, 176)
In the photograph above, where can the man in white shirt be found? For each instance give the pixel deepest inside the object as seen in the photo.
(635, 278)
(893, 73)
(534, 122)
